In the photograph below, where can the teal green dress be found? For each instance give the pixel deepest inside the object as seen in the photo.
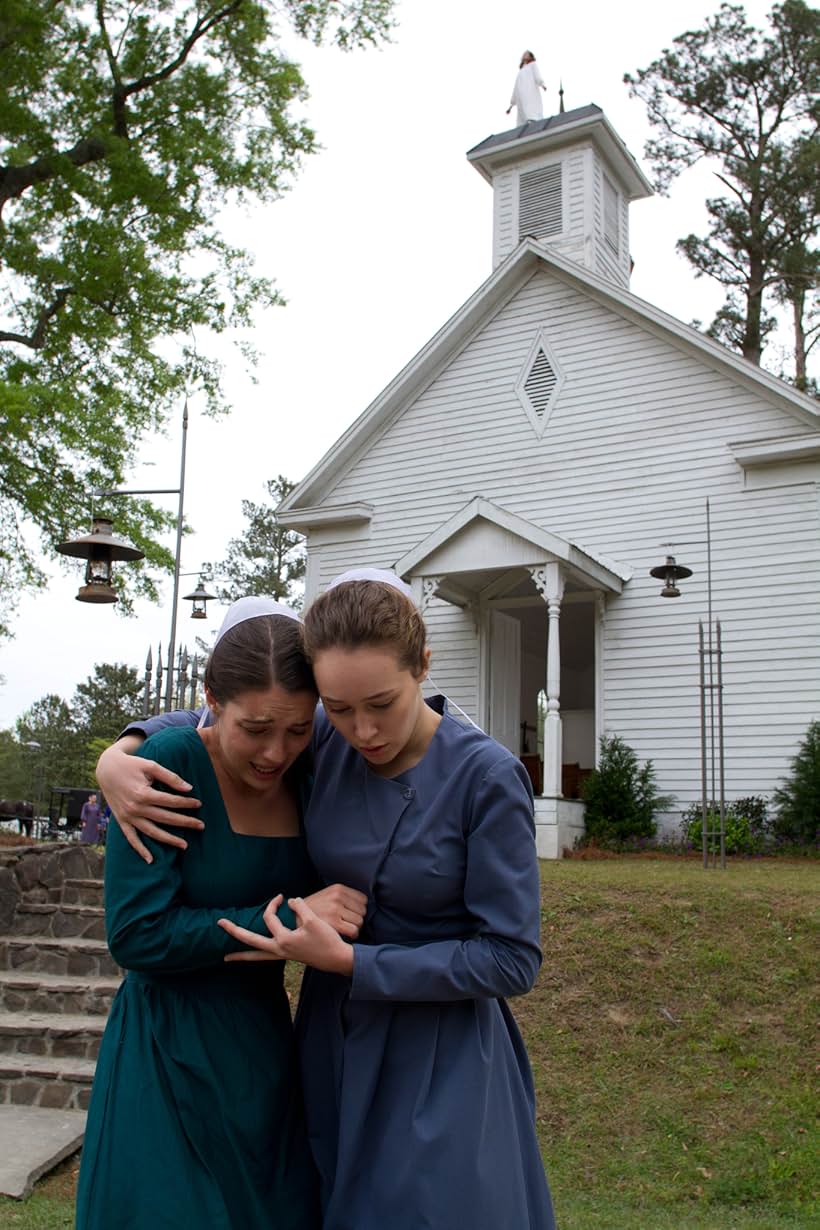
(196, 1111)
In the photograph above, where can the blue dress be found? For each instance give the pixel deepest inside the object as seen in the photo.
(196, 1114)
(418, 1092)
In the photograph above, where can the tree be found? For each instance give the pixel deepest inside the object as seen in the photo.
(60, 759)
(797, 799)
(747, 102)
(798, 274)
(268, 559)
(621, 796)
(17, 768)
(107, 701)
(124, 130)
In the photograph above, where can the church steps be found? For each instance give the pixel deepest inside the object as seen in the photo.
(56, 955)
(21, 991)
(59, 920)
(50, 1035)
(83, 892)
(61, 1084)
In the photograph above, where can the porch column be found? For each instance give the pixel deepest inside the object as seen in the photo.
(549, 581)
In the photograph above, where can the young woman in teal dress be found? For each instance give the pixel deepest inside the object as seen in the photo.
(418, 1092)
(196, 1112)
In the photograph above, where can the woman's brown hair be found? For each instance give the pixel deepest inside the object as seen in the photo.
(259, 653)
(357, 613)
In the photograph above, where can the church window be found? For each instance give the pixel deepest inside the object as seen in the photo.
(539, 384)
(539, 202)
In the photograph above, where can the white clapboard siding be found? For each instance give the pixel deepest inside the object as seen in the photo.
(637, 439)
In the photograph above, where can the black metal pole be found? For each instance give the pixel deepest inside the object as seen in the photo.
(169, 687)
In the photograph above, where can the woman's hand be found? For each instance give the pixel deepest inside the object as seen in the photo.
(314, 942)
(341, 907)
(128, 783)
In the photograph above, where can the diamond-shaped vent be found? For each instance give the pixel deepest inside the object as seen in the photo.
(540, 383)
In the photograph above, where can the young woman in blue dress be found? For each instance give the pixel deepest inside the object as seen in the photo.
(185, 1125)
(418, 1093)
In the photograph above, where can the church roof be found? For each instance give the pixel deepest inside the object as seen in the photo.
(562, 120)
(540, 136)
(303, 506)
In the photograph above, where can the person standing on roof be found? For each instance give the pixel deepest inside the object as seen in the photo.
(525, 95)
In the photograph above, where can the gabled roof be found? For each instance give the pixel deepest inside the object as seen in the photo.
(441, 549)
(485, 303)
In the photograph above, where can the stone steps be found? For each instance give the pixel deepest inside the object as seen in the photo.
(67, 955)
(58, 920)
(36, 992)
(60, 1084)
(50, 1035)
(83, 892)
(57, 981)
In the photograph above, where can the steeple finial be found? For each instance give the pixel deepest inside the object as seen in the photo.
(561, 107)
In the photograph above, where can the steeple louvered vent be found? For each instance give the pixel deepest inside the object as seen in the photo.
(539, 384)
(539, 202)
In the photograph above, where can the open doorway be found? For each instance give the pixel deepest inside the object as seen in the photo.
(517, 686)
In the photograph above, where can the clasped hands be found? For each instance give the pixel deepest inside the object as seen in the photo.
(324, 918)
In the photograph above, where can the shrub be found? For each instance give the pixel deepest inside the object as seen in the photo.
(621, 797)
(745, 825)
(798, 799)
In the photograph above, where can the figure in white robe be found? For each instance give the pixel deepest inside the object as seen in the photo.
(526, 96)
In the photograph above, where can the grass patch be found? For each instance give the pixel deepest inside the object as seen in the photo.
(670, 1033)
(671, 1037)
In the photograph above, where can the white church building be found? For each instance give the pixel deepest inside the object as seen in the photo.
(534, 461)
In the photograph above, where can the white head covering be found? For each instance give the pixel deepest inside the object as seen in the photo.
(250, 608)
(382, 575)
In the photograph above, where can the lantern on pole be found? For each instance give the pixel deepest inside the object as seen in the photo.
(200, 599)
(670, 573)
(100, 548)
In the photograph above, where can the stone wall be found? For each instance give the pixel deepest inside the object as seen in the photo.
(36, 875)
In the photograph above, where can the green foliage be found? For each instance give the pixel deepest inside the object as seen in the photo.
(745, 826)
(797, 800)
(621, 797)
(16, 768)
(71, 737)
(746, 102)
(60, 758)
(107, 701)
(123, 133)
(268, 559)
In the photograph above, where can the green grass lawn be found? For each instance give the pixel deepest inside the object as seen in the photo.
(671, 1035)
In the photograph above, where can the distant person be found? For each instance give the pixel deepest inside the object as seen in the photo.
(525, 95)
(90, 817)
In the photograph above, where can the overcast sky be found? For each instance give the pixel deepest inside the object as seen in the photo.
(385, 233)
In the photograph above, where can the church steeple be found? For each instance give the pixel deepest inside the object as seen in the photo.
(567, 181)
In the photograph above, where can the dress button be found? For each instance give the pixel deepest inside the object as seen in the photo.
(408, 792)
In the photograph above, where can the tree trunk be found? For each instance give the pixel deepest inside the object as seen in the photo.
(752, 341)
(798, 305)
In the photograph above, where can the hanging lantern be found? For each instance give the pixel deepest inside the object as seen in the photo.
(100, 548)
(200, 598)
(670, 573)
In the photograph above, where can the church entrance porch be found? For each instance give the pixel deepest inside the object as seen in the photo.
(536, 602)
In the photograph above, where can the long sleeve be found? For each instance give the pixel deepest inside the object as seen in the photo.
(148, 927)
(164, 721)
(502, 895)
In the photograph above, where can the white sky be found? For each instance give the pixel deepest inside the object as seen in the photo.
(384, 235)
